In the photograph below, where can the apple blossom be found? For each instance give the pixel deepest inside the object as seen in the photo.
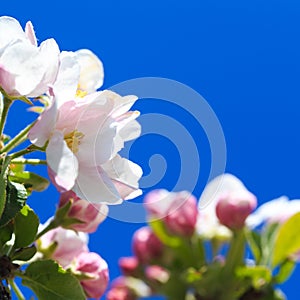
(275, 211)
(234, 207)
(93, 266)
(208, 225)
(120, 290)
(157, 274)
(90, 215)
(83, 138)
(25, 69)
(146, 246)
(80, 73)
(62, 245)
(129, 265)
(178, 210)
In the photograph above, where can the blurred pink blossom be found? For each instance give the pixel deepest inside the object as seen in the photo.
(146, 246)
(233, 208)
(177, 210)
(90, 214)
(95, 267)
(67, 245)
(157, 273)
(128, 265)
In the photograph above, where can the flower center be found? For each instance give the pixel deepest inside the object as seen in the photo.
(80, 93)
(73, 140)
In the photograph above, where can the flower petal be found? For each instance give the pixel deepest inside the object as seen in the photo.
(62, 161)
(49, 54)
(40, 133)
(10, 29)
(66, 83)
(93, 185)
(91, 73)
(125, 173)
(219, 185)
(30, 33)
(22, 60)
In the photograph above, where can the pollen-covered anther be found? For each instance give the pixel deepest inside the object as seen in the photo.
(80, 93)
(73, 140)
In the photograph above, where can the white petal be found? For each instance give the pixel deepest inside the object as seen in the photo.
(124, 171)
(62, 161)
(268, 210)
(10, 29)
(30, 33)
(49, 55)
(22, 60)
(97, 145)
(66, 83)
(93, 185)
(40, 133)
(92, 73)
(219, 185)
(121, 104)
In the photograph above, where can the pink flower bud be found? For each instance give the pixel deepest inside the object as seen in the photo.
(91, 214)
(146, 245)
(67, 245)
(120, 290)
(92, 265)
(128, 265)
(233, 208)
(157, 273)
(178, 210)
(120, 294)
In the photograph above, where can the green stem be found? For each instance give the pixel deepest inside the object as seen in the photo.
(29, 161)
(199, 251)
(22, 152)
(235, 254)
(52, 225)
(18, 139)
(16, 289)
(6, 104)
(235, 258)
(3, 182)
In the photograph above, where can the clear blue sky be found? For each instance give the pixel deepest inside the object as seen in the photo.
(242, 56)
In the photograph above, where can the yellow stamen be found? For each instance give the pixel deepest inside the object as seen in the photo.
(73, 140)
(80, 93)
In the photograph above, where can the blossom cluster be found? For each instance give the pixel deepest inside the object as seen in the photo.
(81, 130)
(192, 251)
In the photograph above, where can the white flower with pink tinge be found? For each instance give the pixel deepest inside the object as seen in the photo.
(83, 138)
(208, 224)
(80, 73)
(95, 268)
(25, 68)
(275, 211)
(68, 244)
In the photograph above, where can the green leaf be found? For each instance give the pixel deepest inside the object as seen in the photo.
(31, 181)
(16, 196)
(285, 271)
(287, 240)
(49, 281)
(6, 233)
(254, 241)
(192, 276)
(25, 227)
(160, 231)
(268, 237)
(24, 254)
(259, 275)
